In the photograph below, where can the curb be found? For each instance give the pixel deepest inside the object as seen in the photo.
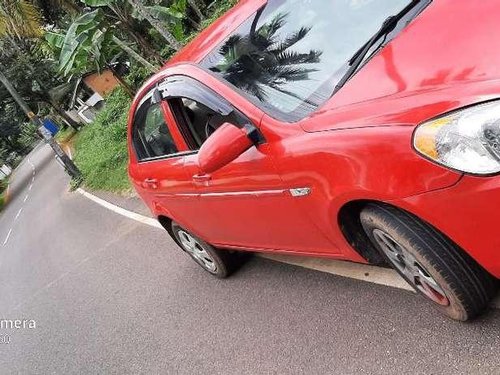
(121, 211)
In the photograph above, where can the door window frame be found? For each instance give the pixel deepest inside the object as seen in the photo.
(180, 86)
(144, 105)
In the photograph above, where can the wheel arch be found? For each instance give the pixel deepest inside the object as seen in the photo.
(348, 220)
(166, 223)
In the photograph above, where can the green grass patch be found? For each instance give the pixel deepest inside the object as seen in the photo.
(65, 135)
(101, 147)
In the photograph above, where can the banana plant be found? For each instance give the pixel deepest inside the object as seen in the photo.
(87, 42)
(166, 20)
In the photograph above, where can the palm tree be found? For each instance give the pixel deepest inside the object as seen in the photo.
(263, 60)
(21, 20)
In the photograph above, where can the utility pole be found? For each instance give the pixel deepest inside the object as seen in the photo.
(70, 167)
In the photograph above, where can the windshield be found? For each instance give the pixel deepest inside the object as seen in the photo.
(289, 56)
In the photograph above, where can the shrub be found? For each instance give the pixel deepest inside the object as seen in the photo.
(101, 147)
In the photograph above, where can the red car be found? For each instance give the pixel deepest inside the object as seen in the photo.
(361, 130)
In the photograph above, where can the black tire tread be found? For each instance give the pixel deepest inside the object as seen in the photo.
(469, 282)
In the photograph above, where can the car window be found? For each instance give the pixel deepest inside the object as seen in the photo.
(198, 122)
(151, 136)
(289, 56)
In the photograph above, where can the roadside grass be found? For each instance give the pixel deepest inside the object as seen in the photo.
(101, 147)
(65, 135)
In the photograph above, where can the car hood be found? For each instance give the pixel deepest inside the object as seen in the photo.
(445, 59)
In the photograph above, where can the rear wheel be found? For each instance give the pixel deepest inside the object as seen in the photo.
(431, 263)
(219, 263)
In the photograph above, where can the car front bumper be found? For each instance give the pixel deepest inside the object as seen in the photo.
(468, 213)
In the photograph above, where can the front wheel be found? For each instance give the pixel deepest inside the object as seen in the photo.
(430, 262)
(219, 263)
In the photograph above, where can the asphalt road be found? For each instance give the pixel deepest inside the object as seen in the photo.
(110, 295)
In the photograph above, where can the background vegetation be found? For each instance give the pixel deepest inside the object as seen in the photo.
(46, 44)
(3, 188)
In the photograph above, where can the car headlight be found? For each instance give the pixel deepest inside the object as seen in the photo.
(467, 140)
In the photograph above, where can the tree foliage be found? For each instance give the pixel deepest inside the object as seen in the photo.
(20, 19)
(43, 41)
(87, 44)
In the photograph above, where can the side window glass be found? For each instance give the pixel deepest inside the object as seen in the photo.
(151, 136)
(198, 122)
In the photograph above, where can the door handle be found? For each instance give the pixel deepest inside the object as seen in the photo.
(151, 183)
(202, 179)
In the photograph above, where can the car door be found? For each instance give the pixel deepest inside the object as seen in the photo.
(157, 161)
(244, 204)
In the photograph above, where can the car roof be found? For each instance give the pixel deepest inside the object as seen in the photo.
(216, 33)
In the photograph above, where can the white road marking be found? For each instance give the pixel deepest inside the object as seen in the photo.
(372, 274)
(24, 201)
(121, 211)
(18, 213)
(7, 238)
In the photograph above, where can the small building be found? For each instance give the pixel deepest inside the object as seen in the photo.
(88, 95)
(84, 95)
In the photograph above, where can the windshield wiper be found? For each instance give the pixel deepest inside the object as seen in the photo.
(358, 58)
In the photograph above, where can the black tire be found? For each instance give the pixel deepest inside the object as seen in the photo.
(219, 263)
(467, 287)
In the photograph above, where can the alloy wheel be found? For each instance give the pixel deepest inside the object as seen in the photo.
(408, 266)
(197, 252)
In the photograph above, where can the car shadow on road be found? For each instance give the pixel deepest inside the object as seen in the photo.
(363, 292)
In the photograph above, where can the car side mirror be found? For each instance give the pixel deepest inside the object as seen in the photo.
(225, 145)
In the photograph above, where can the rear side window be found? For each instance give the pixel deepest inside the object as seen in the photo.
(151, 136)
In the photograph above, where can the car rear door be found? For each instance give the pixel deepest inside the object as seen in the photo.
(157, 164)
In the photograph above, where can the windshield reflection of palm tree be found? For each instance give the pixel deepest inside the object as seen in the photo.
(262, 59)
